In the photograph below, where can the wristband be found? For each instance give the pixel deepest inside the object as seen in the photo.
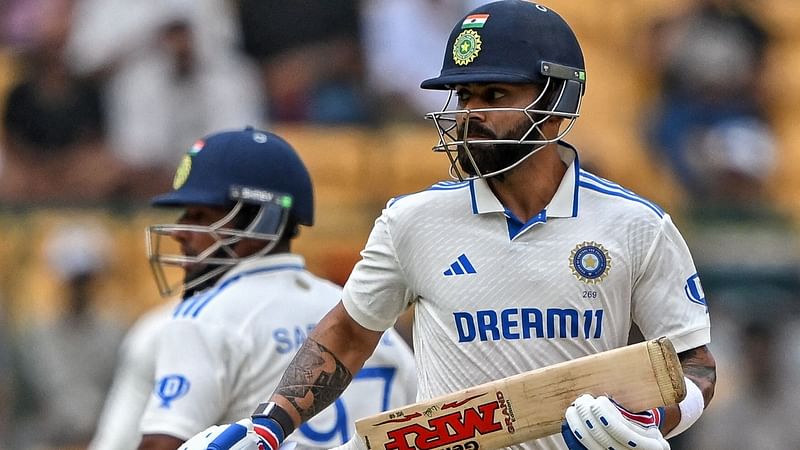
(272, 410)
(691, 407)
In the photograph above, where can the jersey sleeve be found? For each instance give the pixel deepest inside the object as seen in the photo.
(191, 379)
(118, 425)
(376, 292)
(668, 299)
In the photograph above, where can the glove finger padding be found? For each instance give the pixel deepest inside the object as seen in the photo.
(602, 440)
(569, 437)
(628, 433)
(580, 429)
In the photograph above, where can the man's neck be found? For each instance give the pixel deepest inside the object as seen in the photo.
(529, 187)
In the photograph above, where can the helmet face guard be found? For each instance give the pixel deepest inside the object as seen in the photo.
(268, 225)
(564, 98)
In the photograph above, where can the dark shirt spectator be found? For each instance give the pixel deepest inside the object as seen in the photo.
(54, 123)
(51, 112)
(310, 56)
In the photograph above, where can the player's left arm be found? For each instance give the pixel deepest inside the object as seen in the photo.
(700, 368)
(668, 300)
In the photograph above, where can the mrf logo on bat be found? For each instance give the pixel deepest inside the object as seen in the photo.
(455, 426)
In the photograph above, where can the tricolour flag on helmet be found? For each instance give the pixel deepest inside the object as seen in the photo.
(475, 21)
(196, 147)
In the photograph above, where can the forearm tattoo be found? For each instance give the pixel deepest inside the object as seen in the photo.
(314, 379)
(699, 366)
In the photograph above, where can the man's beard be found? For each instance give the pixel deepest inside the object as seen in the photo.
(491, 158)
(201, 270)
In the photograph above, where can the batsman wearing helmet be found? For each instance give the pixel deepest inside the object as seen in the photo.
(249, 302)
(524, 261)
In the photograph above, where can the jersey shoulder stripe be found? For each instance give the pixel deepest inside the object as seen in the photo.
(193, 306)
(440, 186)
(603, 186)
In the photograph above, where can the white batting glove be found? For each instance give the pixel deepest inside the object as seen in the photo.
(235, 436)
(201, 440)
(601, 424)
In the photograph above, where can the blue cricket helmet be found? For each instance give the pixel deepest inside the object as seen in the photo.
(514, 42)
(510, 41)
(262, 183)
(248, 158)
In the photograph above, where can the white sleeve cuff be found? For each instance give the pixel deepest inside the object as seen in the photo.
(692, 339)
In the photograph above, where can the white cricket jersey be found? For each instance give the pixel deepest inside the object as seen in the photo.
(118, 427)
(495, 297)
(226, 349)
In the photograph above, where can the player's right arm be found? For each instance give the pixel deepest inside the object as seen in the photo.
(324, 366)
(374, 296)
(321, 370)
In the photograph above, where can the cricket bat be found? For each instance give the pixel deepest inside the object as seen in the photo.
(530, 405)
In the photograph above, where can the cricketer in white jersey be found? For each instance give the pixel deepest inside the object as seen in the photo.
(249, 301)
(227, 346)
(495, 297)
(118, 427)
(525, 262)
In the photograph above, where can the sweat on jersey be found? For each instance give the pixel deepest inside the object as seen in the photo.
(226, 348)
(495, 297)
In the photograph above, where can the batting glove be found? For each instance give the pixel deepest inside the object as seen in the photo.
(602, 424)
(245, 434)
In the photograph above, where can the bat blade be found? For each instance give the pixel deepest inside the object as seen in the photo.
(529, 405)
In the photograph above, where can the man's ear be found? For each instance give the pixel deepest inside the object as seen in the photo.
(552, 126)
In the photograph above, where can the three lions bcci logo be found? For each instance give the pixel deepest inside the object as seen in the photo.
(466, 47)
(590, 262)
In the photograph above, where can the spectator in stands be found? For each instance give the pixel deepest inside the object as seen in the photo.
(171, 70)
(708, 59)
(734, 160)
(746, 247)
(69, 362)
(53, 121)
(310, 57)
(399, 53)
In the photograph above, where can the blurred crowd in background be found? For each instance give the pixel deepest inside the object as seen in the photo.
(691, 103)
